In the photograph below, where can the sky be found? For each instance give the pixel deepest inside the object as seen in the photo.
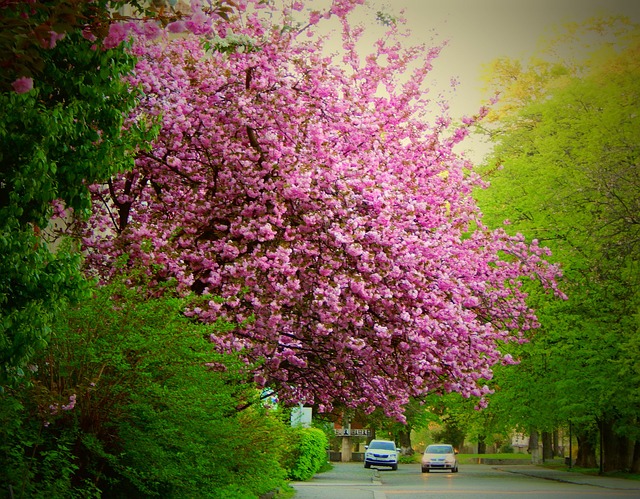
(479, 31)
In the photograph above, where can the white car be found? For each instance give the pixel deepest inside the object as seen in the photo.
(381, 453)
(439, 457)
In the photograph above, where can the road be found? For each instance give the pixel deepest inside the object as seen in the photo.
(353, 481)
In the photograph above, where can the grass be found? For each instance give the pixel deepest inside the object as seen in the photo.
(593, 471)
(473, 458)
(285, 492)
(622, 474)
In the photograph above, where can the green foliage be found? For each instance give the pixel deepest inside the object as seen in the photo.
(34, 285)
(569, 155)
(568, 182)
(418, 416)
(451, 432)
(154, 411)
(308, 453)
(37, 461)
(67, 131)
(413, 458)
(456, 420)
(55, 140)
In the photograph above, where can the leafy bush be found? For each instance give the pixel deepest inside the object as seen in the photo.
(413, 458)
(35, 461)
(309, 453)
(131, 400)
(506, 449)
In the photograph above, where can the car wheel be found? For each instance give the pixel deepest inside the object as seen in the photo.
(455, 470)
(394, 467)
(425, 470)
(367, 465)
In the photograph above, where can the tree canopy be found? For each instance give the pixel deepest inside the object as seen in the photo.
(569, 176)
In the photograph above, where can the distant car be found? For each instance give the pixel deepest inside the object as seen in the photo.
(381, 453)
(439, 457)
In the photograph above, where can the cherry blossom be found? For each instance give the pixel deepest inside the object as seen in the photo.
(22, 85)
(317, 204)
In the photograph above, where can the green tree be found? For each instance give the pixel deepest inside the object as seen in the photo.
(55, 139)
(568, 176)
(131, 400)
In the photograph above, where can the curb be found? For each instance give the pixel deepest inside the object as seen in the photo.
(375, 478)
(565, 477)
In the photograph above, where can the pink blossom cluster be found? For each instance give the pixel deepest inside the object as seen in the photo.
(22, 85)
(330, 221)
(54, 408)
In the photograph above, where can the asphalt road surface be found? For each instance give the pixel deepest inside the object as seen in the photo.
(353, 481)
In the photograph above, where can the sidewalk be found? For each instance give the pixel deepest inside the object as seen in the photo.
(571, 477)
(349, 474)
(344, 481)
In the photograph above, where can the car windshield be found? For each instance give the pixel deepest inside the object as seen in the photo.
(382, 445)
(439, 449)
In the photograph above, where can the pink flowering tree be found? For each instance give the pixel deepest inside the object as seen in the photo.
(317, 204)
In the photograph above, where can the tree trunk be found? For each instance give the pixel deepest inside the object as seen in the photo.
(482, 445)
(616, 449)
(534, 446)
(635, 462)
(586, 450)
(547, 445)
(556, 444)
(404, 439)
